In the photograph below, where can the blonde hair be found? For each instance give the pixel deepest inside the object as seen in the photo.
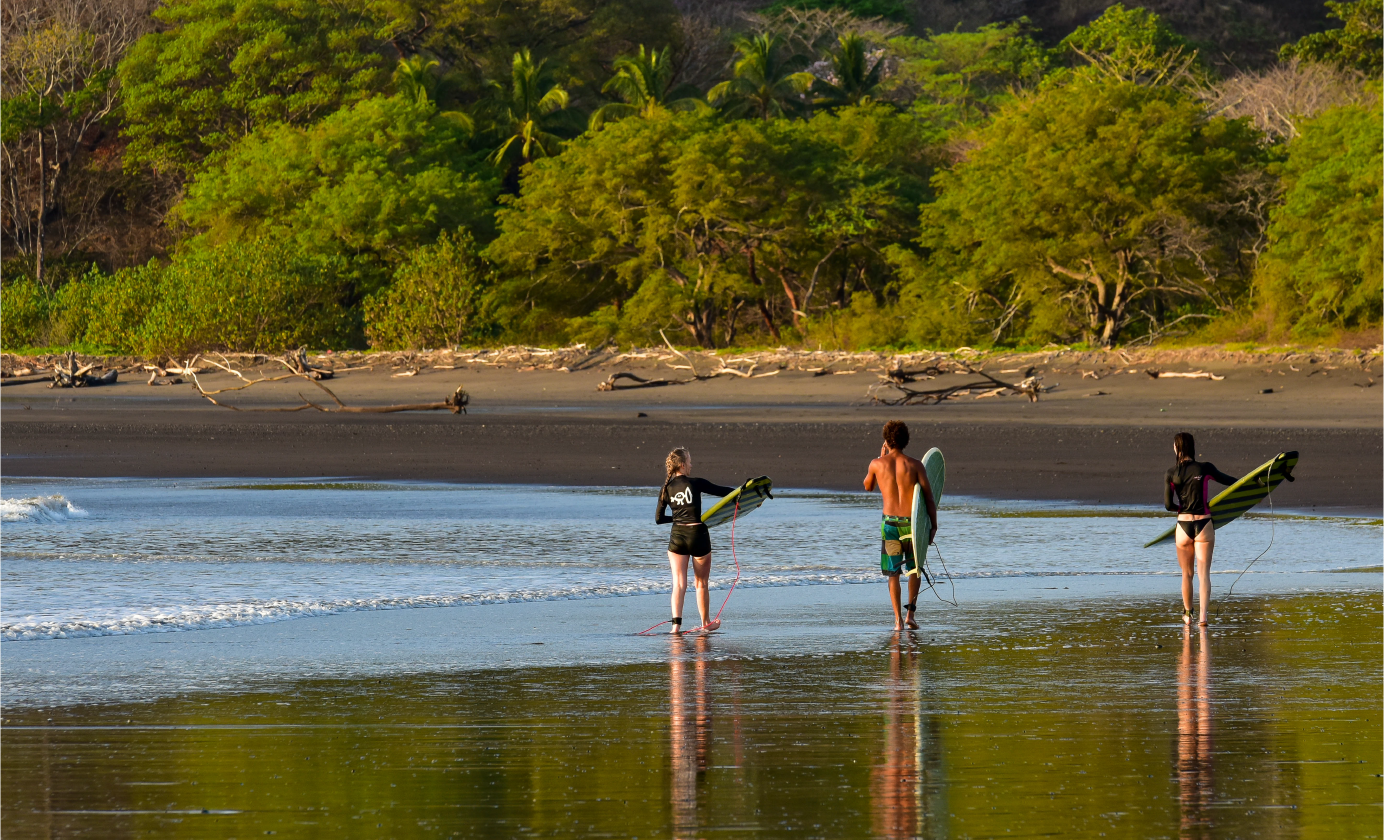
(676, 460)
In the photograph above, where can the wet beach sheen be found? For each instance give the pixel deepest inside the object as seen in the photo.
(1099, 719)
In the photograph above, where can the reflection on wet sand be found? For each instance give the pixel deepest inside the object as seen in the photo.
(905, 784)
(689, 731)
(1196, 782)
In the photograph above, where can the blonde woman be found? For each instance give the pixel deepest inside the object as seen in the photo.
(690, 539)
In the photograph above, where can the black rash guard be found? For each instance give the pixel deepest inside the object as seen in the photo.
(1184, 487)
(684, 495)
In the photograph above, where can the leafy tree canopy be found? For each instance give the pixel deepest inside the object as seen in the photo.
(1358, 44)
(681, 221)
(224, 68)
(1084, 203)
(1134, 45)
(372, 182)
(1322, 269)
(957, 79)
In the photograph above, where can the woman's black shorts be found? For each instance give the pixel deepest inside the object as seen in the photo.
(690, 539)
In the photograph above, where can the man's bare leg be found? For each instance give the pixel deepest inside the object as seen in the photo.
(915, 583)
(893, 581)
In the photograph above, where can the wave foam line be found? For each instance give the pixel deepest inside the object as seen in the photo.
(55, 508)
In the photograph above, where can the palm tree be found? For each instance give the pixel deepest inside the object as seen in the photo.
(767, 83)
(530, 112)
(642, 81)
(855, 78)
(414, 78)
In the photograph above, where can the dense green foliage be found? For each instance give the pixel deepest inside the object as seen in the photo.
(371, 182)
(1358, 44)
(1078, 203)
(1322, 269)
(438, 299)
(426, 172)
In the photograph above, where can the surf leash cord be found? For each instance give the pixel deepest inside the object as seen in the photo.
(1273, 523)
(734, 515)
(932, 584)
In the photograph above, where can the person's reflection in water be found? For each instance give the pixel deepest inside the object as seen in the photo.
(895, 782)
(1196, 784)
(689, 731)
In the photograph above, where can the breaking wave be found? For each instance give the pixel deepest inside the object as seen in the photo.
(55, 508)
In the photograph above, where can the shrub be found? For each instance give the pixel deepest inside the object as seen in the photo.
(258, 295)
(438, 299)
(24, 308)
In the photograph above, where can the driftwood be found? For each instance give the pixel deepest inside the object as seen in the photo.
(613, 382)
(456, 403)
(1197, 374)
(69, 374)
(898, 380)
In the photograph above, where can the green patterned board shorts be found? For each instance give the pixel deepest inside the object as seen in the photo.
(896, 546)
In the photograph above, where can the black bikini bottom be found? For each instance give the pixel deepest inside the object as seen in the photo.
(1192, 527)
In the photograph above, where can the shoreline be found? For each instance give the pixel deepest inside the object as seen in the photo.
(1103, 440)
(824, 620)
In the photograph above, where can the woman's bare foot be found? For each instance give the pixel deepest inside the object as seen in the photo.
(1187, 617)
(713, 624)
(1203, 622)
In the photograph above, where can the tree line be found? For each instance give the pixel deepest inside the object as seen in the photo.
(344, 173)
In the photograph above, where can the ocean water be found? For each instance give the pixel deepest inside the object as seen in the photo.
(89, 557)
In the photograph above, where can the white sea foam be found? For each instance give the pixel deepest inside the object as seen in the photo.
(55, 508)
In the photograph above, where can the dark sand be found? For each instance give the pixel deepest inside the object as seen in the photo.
(550, 427)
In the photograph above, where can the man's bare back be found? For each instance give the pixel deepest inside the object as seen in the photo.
(895, 474)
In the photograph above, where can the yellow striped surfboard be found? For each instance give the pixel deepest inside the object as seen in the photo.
(1245, 493)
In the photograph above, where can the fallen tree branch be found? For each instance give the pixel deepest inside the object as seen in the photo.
(456, 403)
(612, 383)
(1029, 387)
(1197, 374)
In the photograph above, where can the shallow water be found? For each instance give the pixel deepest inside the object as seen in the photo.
(101, 557)
(1028, 720)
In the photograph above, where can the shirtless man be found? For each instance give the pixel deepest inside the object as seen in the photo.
(896, 474)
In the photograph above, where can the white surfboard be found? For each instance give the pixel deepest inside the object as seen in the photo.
(936, 468)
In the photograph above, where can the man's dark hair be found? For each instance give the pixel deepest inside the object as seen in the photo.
(896, 434)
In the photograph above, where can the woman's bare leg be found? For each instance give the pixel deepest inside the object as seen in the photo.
(1186, 557)
(701, 568)
(1204, 545)
(678, 563)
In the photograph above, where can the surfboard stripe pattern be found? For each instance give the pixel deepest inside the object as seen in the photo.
(1244, 494)
(750, 496)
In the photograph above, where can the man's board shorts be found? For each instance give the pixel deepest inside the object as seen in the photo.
(690, 539)
(896, 546)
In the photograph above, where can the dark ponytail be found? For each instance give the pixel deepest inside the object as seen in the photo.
(1185, 447)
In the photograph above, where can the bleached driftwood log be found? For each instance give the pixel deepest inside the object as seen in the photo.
(456, 403)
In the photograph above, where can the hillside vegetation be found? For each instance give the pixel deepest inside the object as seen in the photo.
(261, 174)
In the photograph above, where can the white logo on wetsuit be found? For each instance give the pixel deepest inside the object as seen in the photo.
(683, 498)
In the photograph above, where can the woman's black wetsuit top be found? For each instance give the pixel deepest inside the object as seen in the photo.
(1184, 488)
(684, 495)
(690, 536)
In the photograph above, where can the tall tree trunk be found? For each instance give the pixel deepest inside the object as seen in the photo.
(763, 304)
(42, 209)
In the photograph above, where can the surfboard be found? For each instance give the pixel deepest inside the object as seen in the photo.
(1244, 494)
(936, 468)
(750, 495)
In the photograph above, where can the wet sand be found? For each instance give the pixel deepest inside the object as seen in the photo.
(1105, 440)
(1027, 711)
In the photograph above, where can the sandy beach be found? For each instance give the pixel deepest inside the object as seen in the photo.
(1097, 440)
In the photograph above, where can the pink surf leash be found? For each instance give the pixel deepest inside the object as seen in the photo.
(735, 515)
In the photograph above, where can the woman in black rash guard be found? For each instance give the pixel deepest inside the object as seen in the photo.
(690, 538)
(1186, 492)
